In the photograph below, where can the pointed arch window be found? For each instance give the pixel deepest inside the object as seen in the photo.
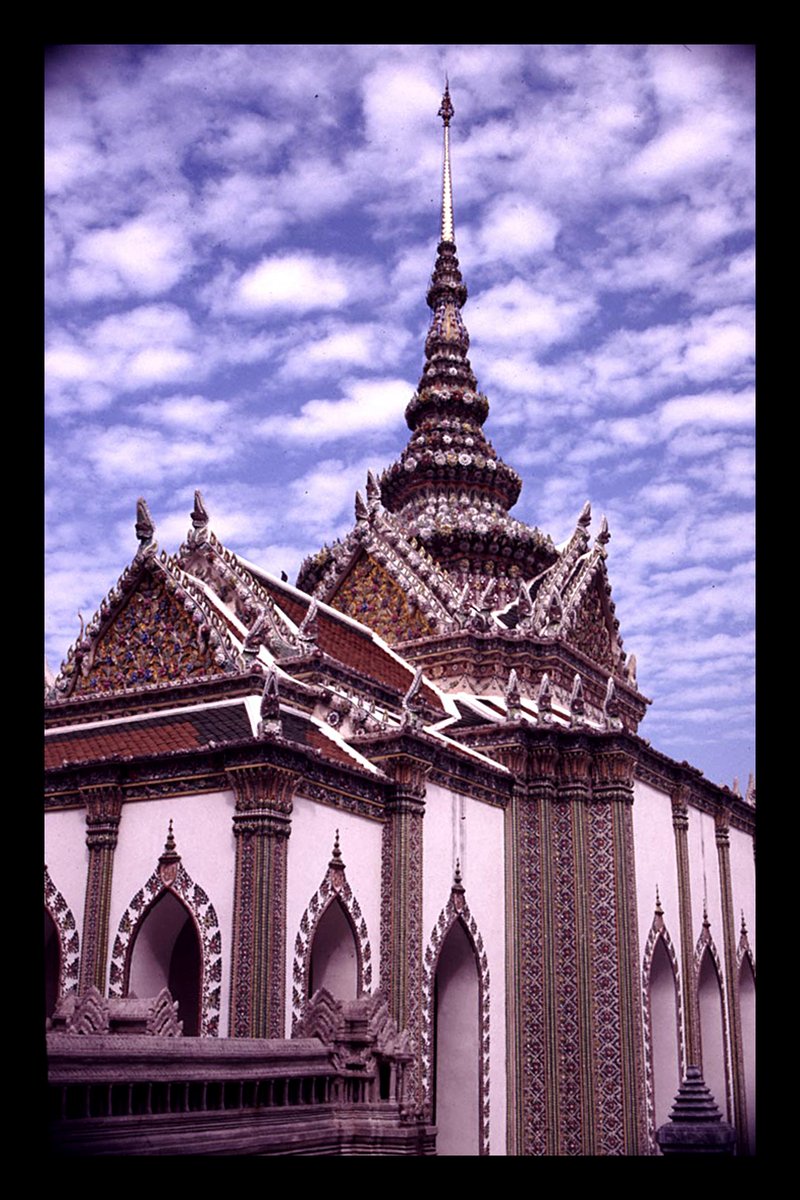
(711, 1007)
(747, 1009)
(166, 952)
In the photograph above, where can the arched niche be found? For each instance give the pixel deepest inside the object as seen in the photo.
(334, 958)
(747, 1008)
(332, 942)
(166, 951)
(169, 945)
(712, 1029)
(61, 946)
(457, 1046)
(52, 966)
(663, 996)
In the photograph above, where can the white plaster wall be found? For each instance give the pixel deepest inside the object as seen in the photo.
(203, 829)
(656, 864)
(704, 873)
(67, 858)
(310, 848)
(743, 884)
(460, 827)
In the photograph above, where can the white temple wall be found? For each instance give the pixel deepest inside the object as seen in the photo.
(704, 874)
(743, 883)
(458, 827)
(656, 866)
(203, 829)
(309, 851)
(67, 857)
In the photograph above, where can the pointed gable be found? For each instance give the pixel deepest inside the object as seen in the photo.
(370, 594)
(149, 631)
(589, 626)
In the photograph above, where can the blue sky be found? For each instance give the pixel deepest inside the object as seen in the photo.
(239, 240)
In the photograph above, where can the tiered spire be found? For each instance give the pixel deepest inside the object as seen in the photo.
(449, 487)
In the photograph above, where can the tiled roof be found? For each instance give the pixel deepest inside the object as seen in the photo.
(156, 735)
(354, 647)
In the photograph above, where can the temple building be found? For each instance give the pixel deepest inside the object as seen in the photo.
(378, 863)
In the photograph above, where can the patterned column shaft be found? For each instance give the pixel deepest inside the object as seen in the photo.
(533, 1010)
(103, 812)
(573, 964)
(261, 825)
(401, 901)
(691, 1015)
(623, 1101)
(732, 982)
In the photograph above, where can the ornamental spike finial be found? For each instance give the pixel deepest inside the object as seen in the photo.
(448, 226)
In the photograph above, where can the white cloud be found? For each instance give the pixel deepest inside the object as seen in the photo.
(516, 311)
(371, 404)
(298, 282)
(145, 256)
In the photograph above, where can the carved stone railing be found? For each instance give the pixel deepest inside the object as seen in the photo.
(139, 1094)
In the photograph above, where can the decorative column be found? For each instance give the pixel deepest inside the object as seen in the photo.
(732, 980)
(616, 993)
(533, 1007)
(572, 953)
(401, 897)
(103, 812)
(261, 826)
(691, 1014)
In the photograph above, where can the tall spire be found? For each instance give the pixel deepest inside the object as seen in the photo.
(448, 226)
(449, 488)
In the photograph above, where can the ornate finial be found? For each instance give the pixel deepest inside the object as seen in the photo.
(544, 700)
(457, 890)
(170, 853)
(169, 860)
(270, 706)
(512, 697)
(706, 922)
(611, 706)
(362, 512)
(585, 519)
(373, 489)
(446, 111)
(336, 866)
(737, 791)
(577, 707)
(603, 536)
(750, 794)
(199, 513)
(743, 930)
(411, 704)
(659, 910)
(448, 225)
(145, 527)
(630, 670)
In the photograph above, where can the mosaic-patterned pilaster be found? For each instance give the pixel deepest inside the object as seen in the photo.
(732, 982)
(691, 1014)
(621, 1085)
(572, 967)
(530, 971)
(103, 812)
(537, 1009)
(401, 901)
(261, 825)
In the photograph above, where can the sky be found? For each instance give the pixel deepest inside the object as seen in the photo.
(238, 244)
